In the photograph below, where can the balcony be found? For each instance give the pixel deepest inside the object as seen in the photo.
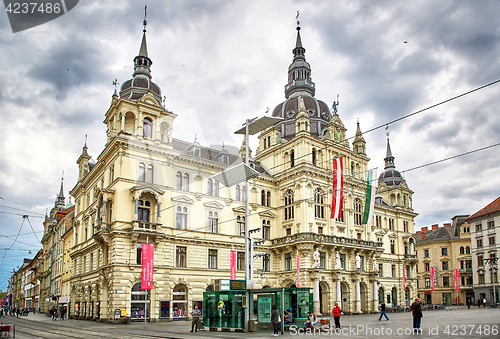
(146, 226)
(411, 257)
(465, 270)
(323, 238)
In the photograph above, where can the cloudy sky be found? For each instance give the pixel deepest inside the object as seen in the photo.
(220, 62)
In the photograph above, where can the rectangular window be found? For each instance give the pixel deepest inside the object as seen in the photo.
(266, 263)
(393, 271)
(405, 226)
(491, 224)
(213, 221)
(266, 232)
(288, 261)
(240, 226)
(427, 282)
(446, 281)
(479, 243)
(468, 280)
(212, 258)
(391, 224)
(322, 260)
(480, 261)
(240, 261)
(427, 267)
(479, 227)
(445, 266)
(491, 240)
(481, 278)
(393, 246)
(426, 253)
(180, 256)
(381, 269)
(444, 251)
(138, 259)
(320, 230)
(288, 231)
(342, 261)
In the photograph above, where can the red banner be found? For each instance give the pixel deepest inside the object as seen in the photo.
(433, 271)
(404, 278)
(147, 266)
(456, 280)
(232, 263)
(298, 271)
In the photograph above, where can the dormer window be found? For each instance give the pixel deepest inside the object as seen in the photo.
(196, 152)
(226, 160)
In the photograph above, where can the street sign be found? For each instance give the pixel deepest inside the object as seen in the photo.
(117, 313)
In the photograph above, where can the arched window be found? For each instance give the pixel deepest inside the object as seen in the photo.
(142, 170)
(314, 157)
(238, 193)
(292, 158)
(147, 128)
(263, 198)
(266, 229)
(144, 210)
(319, 208)
(462, 250)
(185, 182)
(289, 212)
(352, 168)
(130, 122)
(357, 212)
(467, 250)
(268, 199)
(178, 180)
(213, 221)
(181, 218)
(209, 187)
(216, 188)
(149, 174)
(243, 193)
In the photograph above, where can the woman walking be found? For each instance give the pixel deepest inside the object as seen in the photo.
(275, 319)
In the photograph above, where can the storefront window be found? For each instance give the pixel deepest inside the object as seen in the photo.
(164, 309)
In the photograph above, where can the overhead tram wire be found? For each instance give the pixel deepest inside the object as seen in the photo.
(12, 243)
(32, 228)
(15, 208)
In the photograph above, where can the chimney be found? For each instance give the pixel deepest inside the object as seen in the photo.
(435, 226)
(424, 229)
(423, 234)
(447, 225)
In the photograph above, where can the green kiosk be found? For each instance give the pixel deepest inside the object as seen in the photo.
(224, 308)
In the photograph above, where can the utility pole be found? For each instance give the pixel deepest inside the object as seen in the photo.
(493, 263)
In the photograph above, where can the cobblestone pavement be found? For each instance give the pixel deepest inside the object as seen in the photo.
(456, 323)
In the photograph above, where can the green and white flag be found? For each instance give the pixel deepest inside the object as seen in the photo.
(370, 198)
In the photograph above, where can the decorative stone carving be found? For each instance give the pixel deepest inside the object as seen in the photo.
(358, 261)
(338, 263)
(316, 257)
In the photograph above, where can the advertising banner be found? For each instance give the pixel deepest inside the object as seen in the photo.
(147, 266)
(456, 280)
(232, 263)
(433, 269)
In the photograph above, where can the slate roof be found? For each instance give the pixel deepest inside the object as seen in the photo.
(441, 233)
(493, 207)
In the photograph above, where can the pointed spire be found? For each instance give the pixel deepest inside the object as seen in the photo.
(60, 196)
(299, 72)
(144, 47)
(359, 144)
(389, 159)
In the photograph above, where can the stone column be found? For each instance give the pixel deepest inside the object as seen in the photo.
(316, 297)
(339, 293)
(358, 298)
(375, 296)
(158, 217)
(123, 122)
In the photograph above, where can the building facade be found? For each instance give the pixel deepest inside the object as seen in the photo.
(148, 187)
(485, 231)
(445, 248)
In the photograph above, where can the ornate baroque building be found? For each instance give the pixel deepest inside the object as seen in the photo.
(147, 186)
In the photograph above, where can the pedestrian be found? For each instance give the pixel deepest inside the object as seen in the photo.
(484, 302)
(417, 315)
(336, 315)
(288, 317)
(63, 312)
(17, 312)
(275, 319)
(468, 304)
(382, 312)
(311, 321)
(196, 314)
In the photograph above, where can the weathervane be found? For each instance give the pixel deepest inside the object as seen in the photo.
(115, 83)
(297, 18)
(145, 22)
(387, 131)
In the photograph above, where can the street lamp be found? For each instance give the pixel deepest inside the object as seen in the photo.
(493, 262)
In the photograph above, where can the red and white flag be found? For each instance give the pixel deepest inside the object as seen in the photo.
(404, 277)
(456, 280)
(147, 266)
(232, 264)
(298, 270)
(338, 188)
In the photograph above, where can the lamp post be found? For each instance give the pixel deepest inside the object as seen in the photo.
(493, 262)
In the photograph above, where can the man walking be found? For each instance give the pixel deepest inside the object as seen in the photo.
(416, 309)
(382, 312)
